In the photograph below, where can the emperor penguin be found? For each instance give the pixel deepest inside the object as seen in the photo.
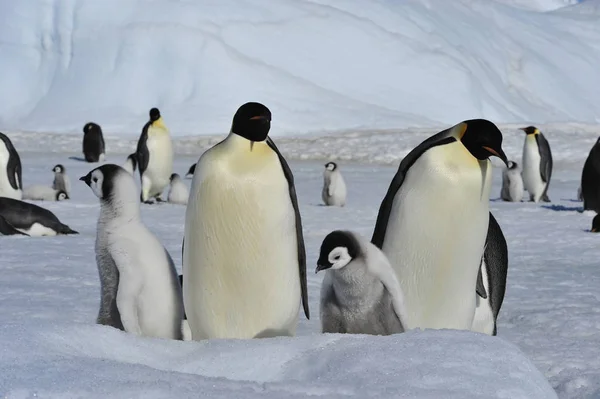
(11, 181)
(178, 191)
(130, 164)
(61, 180)
(360, 293)
(93, 143)
(334, 187)
(444, 182)
(491, 281)
(31, 219)
(155, 157)
(40, 192)
(244, 260)
(590, 180)
(6, 229)
(140, 291)
(512, 183)
(190, 172)
(537, 164)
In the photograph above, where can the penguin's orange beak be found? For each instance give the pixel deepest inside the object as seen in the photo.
(500, 154)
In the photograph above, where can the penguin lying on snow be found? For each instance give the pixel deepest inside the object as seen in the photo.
(512, 183)
(334, 187)
(11, 181)
(44, 193)
(140, 290)
(537, 164)
(360, 293)
(6, 229)
(445, 181)
(32, 219)
(61, 180)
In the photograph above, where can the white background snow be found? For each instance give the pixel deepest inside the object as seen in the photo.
(361, 82)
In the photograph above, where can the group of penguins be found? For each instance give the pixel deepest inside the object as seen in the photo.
(244, 257)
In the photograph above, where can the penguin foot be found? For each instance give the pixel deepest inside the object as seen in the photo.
(546, 199)
(149, 202)
(158, 199)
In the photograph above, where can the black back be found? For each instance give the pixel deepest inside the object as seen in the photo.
(93, 142)
(22, 215)
(299, 235)
(13, 168)
(6, 229)
(590, 180)
(385, 209)
(545, 161)
(142, 155)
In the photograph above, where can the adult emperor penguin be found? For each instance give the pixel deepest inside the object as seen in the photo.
(155, 157)
(130, 164)
(11, 182)
(40, 192)
(61, 179)
(6, 229)
(491, 281)
(512, 183)
(590, 180)
(140, 292)
(31, 219)
(334, 187)
(444, 182)
(93, 143)
(244, 260)
(360, 293)
(537, 164)
(178, 191)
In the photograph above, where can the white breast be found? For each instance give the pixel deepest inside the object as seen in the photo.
(436, 234)
(160, 164)
(6, 190)
(240, 261)
(178, 193)
(532, 179)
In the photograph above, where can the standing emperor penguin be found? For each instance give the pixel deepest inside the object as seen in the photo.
(140, 291)
(244, 260)
(334, 187)
(360, 293)
(93, 143)
(155, 157)
(590, 180)
(512, 183)
(491, 281)
(444, 182)
(537, 164)
(11, 181)
(61, 180)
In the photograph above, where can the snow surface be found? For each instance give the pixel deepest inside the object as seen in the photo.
(320, 65)
(49, 291)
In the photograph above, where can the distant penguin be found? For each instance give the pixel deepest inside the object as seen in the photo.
(6, 229)
(595, 224)
(190, 172)
(130, 164)
(140, 292)
(512, 183)
(590, 180)
(93, 143)
(444, 182)
(360, 293)
(11, 182)
(244, 260)
(31, 219)
(39, 192)
(491, 281)
(178, 191)
(537, 164)
(334, 187)
(155, 157)
(61, 180)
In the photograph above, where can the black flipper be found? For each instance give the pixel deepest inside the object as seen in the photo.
(496, 260)
(13, 168)
(142, 155)
(6, 229)
(385, 209)
(545, 163)
(299, 235)
(480, 288)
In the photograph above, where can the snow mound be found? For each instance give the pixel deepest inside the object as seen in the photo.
(320, 65)
(97, 361)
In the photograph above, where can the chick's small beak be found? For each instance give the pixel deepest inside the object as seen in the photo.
(321, 266)
(499, 153)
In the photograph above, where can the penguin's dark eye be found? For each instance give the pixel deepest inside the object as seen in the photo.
(95, 180)
(337, 257)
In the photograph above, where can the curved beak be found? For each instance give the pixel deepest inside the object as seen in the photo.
(499, 153)
(321, 266)
(87, 179)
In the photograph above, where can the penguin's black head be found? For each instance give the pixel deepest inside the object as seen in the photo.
(173, 177)
(512, 165)
(102, 180)
(90, 127)
(252, 121)
(483, 139)
(337, 250)
(596, 224)
(529, 129)
(154, 114)
(331, 166)
(62, 195)
(58, 169)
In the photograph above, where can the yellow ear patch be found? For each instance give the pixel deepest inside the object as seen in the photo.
(536, 131)
(159, 123)
(459, 130)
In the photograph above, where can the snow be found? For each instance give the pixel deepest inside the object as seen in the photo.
(320, 65)
(549, 325)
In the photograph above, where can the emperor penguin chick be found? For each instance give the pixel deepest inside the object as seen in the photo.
(61, 180)
(334, 187)
(178, 191)
(140, 289)
(360, 292)
(512, 183)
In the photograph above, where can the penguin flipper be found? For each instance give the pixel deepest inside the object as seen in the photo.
(299, 235)
(496, 261)
(385, 209)
(545, 158)
(13, 169)
(142, 155)
(480, 288)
